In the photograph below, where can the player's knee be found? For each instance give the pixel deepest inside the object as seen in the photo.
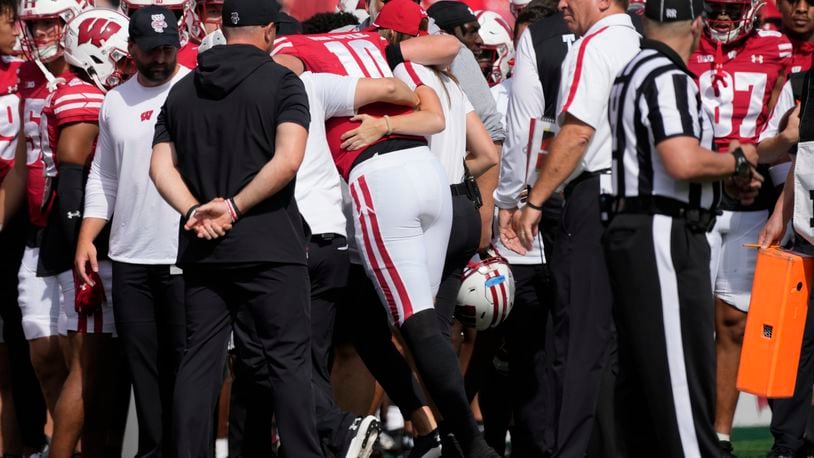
(734, 325)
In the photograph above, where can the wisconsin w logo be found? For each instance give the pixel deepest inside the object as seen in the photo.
(97, 30)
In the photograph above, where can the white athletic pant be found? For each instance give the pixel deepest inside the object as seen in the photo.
(403, 216)
(39, 299)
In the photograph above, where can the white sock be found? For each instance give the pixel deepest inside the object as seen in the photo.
(723, 437)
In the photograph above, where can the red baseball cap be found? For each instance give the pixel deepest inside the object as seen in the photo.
(403, 16)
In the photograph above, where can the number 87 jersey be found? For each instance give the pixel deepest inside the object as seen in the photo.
(737, 95)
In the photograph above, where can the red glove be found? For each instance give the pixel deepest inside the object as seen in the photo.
(88, 298)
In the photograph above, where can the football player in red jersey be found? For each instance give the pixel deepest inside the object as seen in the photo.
(740, 72)
(798, 25)
(95, 44)
(192, 29)
(43, 24)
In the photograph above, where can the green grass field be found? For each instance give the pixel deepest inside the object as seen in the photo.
(751, 442)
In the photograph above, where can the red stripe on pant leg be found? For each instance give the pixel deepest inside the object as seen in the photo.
(388, 295)
(407, 306)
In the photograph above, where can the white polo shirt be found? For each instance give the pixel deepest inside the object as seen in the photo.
(588, 72)
(144, 228)
(318, 191)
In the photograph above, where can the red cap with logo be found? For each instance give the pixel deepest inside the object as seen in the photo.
(403, 16)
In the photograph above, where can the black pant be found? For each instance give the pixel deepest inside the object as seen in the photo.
(527, 384)
(268, 304)
(664, 320)
(582, 318)
(328, 266)
(463, 244)
(789, 416)
(369, 330)
(148, 303)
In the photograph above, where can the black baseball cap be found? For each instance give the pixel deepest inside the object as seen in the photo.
(154, 26)
(673, 10)
(244, 13)
(449, 14)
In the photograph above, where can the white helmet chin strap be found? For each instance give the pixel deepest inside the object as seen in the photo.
(52, 80)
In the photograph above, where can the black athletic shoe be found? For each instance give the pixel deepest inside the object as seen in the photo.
(726, 449)
(480, 449)
(361, 437)
(427, 446)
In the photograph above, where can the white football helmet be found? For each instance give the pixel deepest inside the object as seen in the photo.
(34, 10)
(96, 41)
(487, 293)
(498, 45)
(189, 25)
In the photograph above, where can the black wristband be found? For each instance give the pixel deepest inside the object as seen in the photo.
(234, 206)
(743, 169)
(539, 208)
(188, 214)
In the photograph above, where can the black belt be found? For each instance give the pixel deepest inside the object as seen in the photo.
(569, 188)
(701, 219)
(325, 238)
(458, 189)
(468, 188)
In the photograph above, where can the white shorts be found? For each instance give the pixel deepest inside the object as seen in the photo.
(732, 266)
(99, 322)
(403, 216)
(39, 299)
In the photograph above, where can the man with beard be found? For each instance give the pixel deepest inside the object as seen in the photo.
(148, 289)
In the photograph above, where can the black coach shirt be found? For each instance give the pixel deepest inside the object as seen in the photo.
(223, 119)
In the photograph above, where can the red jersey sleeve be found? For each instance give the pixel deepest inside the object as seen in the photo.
(76, 101)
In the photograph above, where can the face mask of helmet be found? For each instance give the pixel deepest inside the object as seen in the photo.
(729, 22)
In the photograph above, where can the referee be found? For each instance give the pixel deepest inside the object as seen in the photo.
(666, 186)
(232, 135)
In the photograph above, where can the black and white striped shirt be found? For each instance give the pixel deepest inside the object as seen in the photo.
(655, 98)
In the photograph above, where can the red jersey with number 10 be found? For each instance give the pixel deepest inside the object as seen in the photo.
(359, 54)
(737, 98)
